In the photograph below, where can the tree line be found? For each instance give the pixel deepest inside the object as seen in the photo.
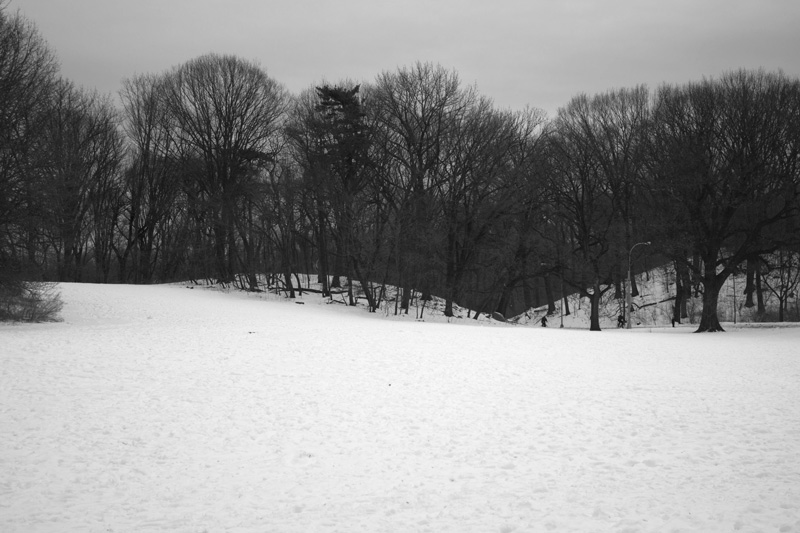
(213, 170)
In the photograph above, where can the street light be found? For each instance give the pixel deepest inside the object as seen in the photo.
(629, 292)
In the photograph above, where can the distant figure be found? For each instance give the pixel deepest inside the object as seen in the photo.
(673, 322)
(621, 321)
(544, 321)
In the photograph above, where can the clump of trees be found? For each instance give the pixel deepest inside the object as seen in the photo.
(28, 81)
(724, 173)
(213, 170)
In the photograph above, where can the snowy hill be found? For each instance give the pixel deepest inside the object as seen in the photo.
(159, 408)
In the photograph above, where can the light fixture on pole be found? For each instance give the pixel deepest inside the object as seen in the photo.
(629, 292)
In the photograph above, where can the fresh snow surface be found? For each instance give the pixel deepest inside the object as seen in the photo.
(157, 408)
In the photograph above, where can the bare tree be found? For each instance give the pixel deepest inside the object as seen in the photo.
(228, 115)
(332, 140)
(152, 179)
(79, 166)
(587, 178)
(478, 192)
(520, 246)
(726, 174)
(414, 115)
(783, 278)
(28, 73)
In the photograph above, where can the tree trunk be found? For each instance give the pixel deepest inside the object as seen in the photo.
(762, 308)
(527, 293)
(712, 284)
(373, 305)
(538, 289)
(749, 286)
(618, 291)
(322, 275)
(505, 296)
(594, 299)
(220, 237)
(680, 296)
(288, 277)
(406, 301)
(351, 300)
(548, 288)
(682, 273)
(450, 272)
(634, 288)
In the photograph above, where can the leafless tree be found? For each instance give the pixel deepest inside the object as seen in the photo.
(727, 173)
(152, 180)
(78, 171)
(478, 192)
(590, 204)
(228, 115)
(28, 73)
(415, 110)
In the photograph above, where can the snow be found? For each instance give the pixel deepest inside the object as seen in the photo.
(158, 408)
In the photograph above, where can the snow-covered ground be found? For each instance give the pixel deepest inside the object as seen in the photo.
(157, 408)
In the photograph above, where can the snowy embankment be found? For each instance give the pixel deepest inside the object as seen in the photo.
(165, 409)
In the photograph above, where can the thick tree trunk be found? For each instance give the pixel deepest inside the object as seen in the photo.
(594, 299)
(448, 305)
(406, 301)
(634, 288)
(712, 284)
(288, 277)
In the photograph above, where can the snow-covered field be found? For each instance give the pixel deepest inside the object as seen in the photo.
(157, 408)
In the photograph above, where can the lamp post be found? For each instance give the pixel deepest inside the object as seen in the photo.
(629, 292)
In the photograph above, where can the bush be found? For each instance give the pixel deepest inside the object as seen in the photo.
(22, 301)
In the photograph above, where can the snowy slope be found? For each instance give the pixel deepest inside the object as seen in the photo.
(653, 306)
(159, 408)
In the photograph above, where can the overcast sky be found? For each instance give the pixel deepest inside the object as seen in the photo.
(537, 53)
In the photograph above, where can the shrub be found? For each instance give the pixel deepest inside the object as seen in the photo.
(22, 301)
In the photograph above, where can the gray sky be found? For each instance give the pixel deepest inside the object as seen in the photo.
(519, 52)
